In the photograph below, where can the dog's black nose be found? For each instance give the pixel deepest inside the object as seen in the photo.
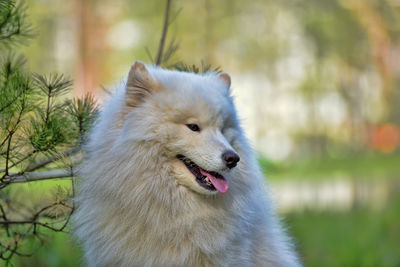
(230, 158)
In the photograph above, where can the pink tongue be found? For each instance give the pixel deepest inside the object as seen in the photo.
(220, 184)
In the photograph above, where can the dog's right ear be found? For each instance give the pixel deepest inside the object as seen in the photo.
(140, 84)
(225, 78)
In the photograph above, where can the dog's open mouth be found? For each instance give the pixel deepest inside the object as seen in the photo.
(209, 180)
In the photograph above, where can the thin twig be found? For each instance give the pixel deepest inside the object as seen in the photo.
(46, 225)
(47, 114)
(10, 135)
(2, 143)
(175, 16)
(164, 33)
(34, 221)
(4, 216)
(149, 54)
(19, 161)
(37, 176)
(47, 161)
(8, 152)
(17, 252)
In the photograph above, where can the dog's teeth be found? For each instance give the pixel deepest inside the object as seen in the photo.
(207, 179)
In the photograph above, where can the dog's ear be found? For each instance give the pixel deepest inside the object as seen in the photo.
(225, 78)
(140, 84)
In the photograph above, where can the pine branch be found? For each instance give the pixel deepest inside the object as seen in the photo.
(204, 68)
(11, 102)
(13, 23)
(53, 84)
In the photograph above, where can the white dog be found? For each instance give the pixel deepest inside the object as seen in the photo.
(170, 180)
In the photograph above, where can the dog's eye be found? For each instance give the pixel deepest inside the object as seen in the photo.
(193, 127)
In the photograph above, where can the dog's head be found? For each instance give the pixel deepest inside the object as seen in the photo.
(191, 117)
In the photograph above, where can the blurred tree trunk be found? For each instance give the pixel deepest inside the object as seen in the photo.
(91, 33)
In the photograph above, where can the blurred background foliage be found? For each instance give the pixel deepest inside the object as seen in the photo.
(317, 86)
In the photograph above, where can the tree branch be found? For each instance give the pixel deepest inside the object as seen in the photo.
(164, 33)
(37, 176)
(44, 162)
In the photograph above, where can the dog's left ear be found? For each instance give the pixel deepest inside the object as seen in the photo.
(140, 84)
(225, 78)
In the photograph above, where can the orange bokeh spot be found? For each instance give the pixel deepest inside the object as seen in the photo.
(386, 138)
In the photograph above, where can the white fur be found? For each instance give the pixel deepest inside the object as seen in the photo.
(138, 205)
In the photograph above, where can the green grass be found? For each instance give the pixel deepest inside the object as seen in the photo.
(360, 166)
(61, 250)
(355, 238)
